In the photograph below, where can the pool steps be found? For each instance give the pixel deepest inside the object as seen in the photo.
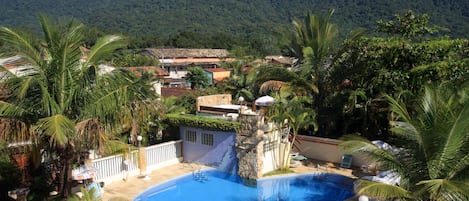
(199, 176)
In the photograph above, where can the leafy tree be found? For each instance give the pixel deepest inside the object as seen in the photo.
(431, 153)
(378, 66)
(197, 77)
(62, 101)
(131, 59)
(408, 25)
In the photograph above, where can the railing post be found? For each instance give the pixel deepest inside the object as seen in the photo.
(142, 163)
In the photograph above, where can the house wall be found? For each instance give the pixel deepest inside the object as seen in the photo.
(324, 149)
(222, 155)
(201, 60)
(221, 75)
(219, 99)
(210, 76)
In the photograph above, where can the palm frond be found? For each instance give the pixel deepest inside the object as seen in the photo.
(455, 141)
(103, 47)
(58, 128)
(271, 86)
(460, 170)
(381, 191)
(447, 190)
(23, 43)
(90, 134)
(12, 130)
(357, 144)
(116, 146)
(10, 110)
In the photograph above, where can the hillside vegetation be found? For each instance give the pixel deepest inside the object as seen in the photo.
(266, 21)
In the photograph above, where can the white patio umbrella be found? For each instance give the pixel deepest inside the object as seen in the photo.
(265, 101)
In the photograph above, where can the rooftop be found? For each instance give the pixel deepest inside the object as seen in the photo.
(216, 70)
(187, 53)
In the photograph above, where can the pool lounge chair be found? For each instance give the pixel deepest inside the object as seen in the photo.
(346, 161)
(297, 157)
(387, 177)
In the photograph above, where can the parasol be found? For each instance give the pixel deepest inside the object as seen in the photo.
(265, 101)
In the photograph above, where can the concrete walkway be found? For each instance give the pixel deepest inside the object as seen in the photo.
(127, 190)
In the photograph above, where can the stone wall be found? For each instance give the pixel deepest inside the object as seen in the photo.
(249, 147)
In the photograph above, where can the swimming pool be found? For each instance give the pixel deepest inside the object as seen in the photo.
(219, 186)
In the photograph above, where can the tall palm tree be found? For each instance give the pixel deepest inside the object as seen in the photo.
(313, 42)
(61, 100)
(432, 155)
(314, 39)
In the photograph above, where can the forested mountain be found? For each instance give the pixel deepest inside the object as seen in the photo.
(243, 18)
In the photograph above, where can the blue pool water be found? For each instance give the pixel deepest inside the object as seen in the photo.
(218, 186)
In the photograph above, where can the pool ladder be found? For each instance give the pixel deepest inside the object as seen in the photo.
(199, 176)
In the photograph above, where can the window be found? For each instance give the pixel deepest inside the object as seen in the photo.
(191, 136)
(207, 139)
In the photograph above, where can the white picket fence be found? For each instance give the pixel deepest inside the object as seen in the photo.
(113, 168)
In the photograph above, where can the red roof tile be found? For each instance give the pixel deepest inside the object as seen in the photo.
(156, 71)
(174, 91)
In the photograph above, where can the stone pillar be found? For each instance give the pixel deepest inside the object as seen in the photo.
(249, 147)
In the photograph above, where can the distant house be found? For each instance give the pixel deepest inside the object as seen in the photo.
(287, 62)
(174, 87)
(174, 91)
(217, 74)
(163, 86)
(280, 60)
(176, 61)
(155, 71)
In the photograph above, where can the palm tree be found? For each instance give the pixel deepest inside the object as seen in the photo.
(61, 101)
(432, 155)
(289, 111)
(239, 83)
(313, 42)
(272, 78)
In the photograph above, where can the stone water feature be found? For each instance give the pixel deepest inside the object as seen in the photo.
(249, 147)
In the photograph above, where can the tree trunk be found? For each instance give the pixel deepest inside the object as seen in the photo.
(65, 185)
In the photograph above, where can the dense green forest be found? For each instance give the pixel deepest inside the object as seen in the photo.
(227, 23)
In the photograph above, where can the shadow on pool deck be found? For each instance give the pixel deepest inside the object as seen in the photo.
(127, 190)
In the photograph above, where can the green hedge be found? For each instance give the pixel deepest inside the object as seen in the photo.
(201, 122)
